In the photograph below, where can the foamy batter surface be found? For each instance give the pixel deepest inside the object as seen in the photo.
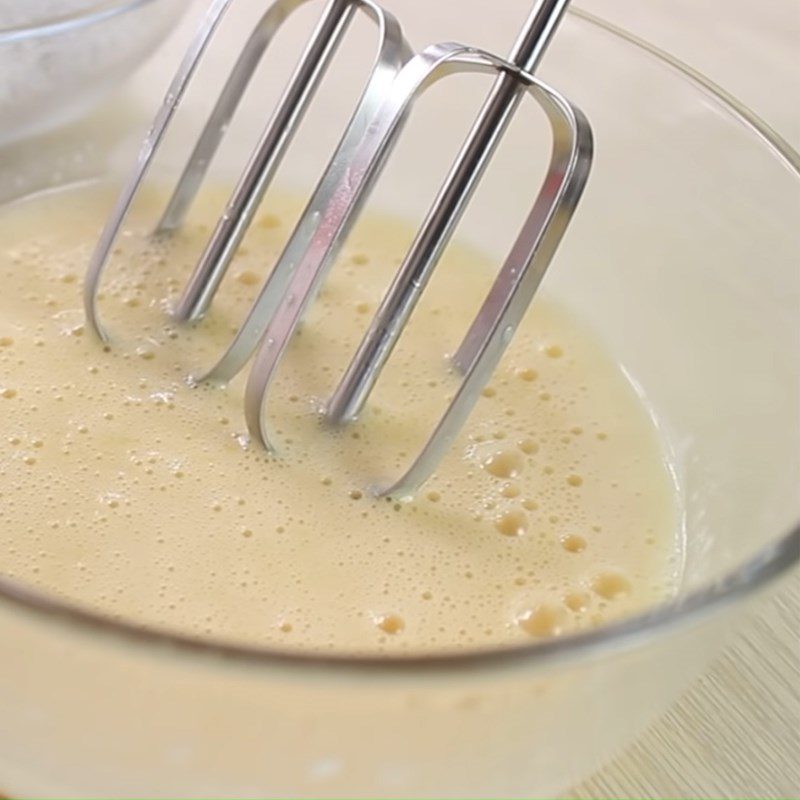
(126, 490)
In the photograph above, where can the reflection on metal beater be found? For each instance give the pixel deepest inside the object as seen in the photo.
(397, 78)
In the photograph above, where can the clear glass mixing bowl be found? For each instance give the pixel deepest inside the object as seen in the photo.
(58, 59)
(684, 258)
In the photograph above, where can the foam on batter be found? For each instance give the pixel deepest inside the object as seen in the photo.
(125, 489)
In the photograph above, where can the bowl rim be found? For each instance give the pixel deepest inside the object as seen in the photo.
(765, 567)
(98, 11)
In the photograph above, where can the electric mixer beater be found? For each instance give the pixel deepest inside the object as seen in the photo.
(397, 78)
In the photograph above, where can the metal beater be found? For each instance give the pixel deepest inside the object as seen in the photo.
(398, 76)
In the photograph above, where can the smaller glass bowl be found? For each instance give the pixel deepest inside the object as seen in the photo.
(55, 68)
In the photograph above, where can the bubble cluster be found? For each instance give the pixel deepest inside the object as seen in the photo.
(611, 585)
(390, 623)
(504, 463)
(543, 620)
(512, 523)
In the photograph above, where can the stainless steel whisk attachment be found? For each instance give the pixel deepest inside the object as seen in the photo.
(397, 78)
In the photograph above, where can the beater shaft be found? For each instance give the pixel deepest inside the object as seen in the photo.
(360, 376)
(246, 198)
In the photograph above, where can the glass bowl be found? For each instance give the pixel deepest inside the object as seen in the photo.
(683, 256)
(58, 59)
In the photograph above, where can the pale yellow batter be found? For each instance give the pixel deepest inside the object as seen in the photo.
(126, 490)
